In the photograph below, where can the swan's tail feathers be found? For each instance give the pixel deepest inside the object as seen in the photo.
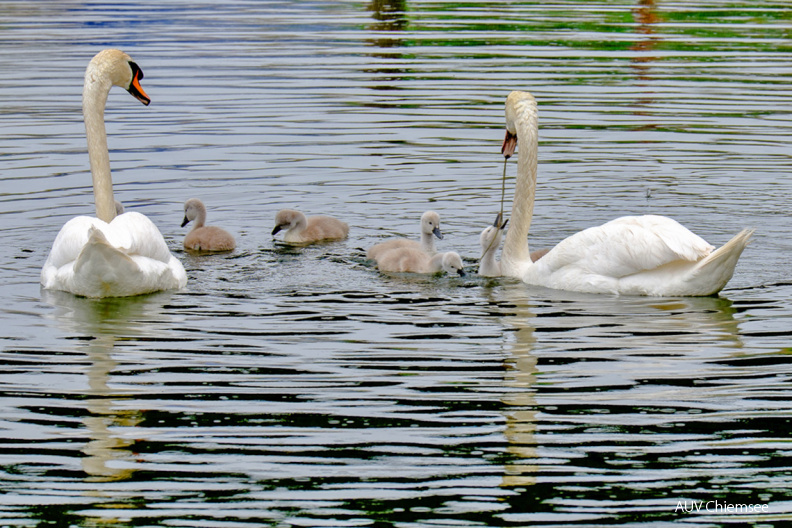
(100, 268)
(716, 269)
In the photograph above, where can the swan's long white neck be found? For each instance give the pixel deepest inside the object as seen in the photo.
(516, 255)
(95, 92)
(200, 216)
(428, 243)
(488, 265)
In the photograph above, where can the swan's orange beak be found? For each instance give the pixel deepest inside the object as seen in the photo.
(134, 87)
(509, 144)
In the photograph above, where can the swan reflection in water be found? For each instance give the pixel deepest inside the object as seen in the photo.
(110, 455)
(623, 340)
(520, 381)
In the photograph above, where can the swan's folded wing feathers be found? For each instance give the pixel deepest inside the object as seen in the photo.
(138, 235)
(685, 244)
(102, 269)
(70, 240)
(627, 245)
(631, 245)
(99, 268)
(101, 257)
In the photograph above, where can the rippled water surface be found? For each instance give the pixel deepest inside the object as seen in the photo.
(301, 387)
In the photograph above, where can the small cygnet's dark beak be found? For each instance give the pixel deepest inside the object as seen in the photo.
(276, 229)
(185, 221)
(437, 233)
(497, 222)
(461, 272)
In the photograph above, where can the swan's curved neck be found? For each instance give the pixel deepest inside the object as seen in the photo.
(487, 261)
(515, 249)
(428, 242)
(200, 218)
(94, 99)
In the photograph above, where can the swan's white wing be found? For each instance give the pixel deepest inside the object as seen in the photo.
(67, 247)
(126, 257)
(595, 259)
(138, 236)
(633, 244)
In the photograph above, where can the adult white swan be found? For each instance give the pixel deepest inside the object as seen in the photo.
(109, 256)
(631, 255)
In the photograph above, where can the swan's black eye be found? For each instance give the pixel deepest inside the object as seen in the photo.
(136, 71)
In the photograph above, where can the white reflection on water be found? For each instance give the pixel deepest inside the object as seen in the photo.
(103, 323)
(520, 397)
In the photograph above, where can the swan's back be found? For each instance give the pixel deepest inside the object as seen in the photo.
(404, 260)
(126, 257)
(643, 255)
(209, 238)
(376, 250)
(629, 245)
(322, 227)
